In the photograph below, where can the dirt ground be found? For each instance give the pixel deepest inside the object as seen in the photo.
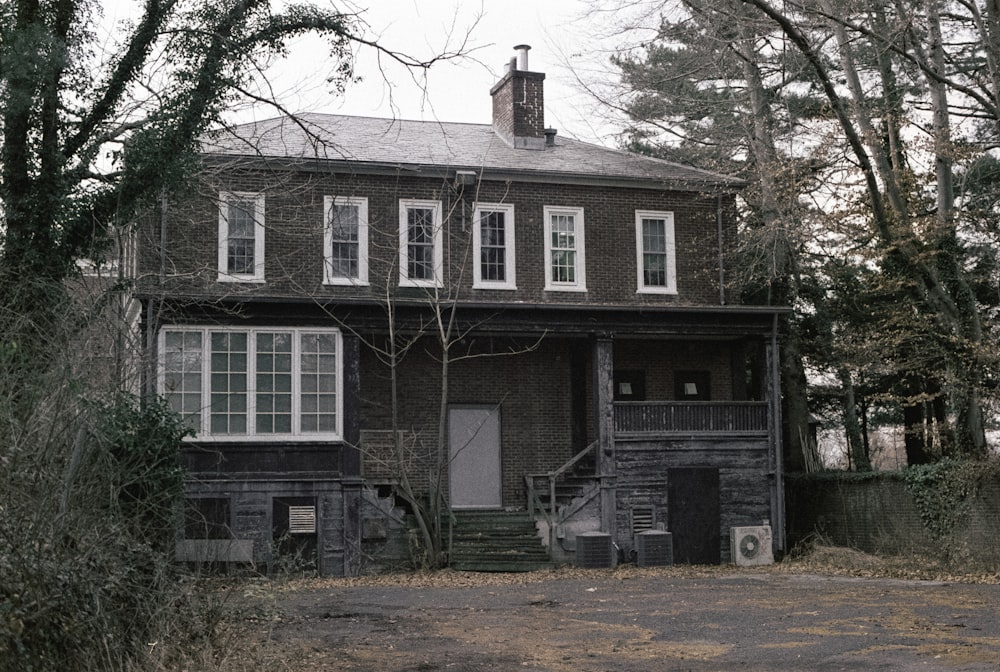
(782, 617)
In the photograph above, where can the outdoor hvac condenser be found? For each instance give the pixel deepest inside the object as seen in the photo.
(654, 548)
(594, 550)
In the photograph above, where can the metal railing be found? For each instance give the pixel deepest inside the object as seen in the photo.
(658, 417)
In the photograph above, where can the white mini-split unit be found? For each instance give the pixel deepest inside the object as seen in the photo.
(751, 545)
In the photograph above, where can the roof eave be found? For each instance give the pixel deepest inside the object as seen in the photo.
(488, 173)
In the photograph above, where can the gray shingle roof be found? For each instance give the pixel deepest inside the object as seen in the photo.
(427, 144)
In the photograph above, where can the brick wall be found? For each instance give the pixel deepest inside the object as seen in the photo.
(293, 239)
(519, 105)
(530, 389)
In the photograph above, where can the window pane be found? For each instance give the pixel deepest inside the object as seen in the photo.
(240, 244)
(343, 253)
(274, 389)
(493, 235)
(420, 243)
(318, 374)
(563, 246)
(654, 252)
(182, 361)
(229, 383)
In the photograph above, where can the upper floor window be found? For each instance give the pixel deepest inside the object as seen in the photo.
(235, 384)
(420, 244)
(655, 258)
(564, 250)
(241, 237)
(493, 246)
(345, 241)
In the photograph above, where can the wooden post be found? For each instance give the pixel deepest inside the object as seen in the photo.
(774, 438)
(350, 461)
(604, 396)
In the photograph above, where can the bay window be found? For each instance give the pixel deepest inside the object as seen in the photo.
(262, 383)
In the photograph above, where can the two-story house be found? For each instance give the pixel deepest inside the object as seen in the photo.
(298, 298)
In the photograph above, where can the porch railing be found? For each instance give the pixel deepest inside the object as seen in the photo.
(657, 417)
(542, 487)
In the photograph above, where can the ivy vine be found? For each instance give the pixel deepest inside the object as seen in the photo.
(943, 492)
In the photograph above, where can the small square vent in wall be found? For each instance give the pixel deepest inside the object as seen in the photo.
(302, 520)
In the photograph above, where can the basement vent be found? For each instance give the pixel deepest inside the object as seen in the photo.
(642, 519)
(654, 548)
(302, 520)
(594, 550)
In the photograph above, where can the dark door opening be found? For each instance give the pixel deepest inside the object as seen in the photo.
(694, 515)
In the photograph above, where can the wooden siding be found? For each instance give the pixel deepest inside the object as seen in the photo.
(643, 468)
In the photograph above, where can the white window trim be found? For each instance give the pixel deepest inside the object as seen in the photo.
(580, 284)
(404, 279)
(258, 238)
(668, 230)
(509, 253)
(204, 434)
(362, 205)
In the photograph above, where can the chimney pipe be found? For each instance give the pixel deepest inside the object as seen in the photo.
(522, 56)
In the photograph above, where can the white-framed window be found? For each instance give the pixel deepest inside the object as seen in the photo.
(262, 383)
(493, 246)
(345, 240)
(565, 260)
(241, 237)
(655, 252)
(420, 244)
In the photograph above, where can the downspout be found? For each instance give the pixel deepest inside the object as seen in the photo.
(778, 501)
(722, 268)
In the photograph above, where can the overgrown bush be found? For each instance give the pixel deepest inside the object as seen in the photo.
(89, 487)
(85, 541)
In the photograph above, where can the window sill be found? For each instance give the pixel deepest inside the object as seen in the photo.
(264, 438)
(248, 279)
(557, 288)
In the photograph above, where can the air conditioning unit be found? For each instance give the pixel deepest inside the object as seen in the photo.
(594, 550)
(654, 548)
(751, 545)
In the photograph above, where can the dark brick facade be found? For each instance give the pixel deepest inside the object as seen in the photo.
(543, 358)
(294, 238)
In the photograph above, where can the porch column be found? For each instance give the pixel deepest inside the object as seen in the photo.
(604, 389)
(773, 391)
(350, 460)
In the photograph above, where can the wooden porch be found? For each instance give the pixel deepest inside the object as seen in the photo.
(690, 417)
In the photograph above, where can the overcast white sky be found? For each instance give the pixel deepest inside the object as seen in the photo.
(557, 30)
(459, 90)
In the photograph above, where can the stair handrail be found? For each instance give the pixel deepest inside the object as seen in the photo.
(534, 500)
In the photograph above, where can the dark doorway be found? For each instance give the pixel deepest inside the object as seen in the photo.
(694, 515)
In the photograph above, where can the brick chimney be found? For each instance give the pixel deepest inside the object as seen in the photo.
(519, 104)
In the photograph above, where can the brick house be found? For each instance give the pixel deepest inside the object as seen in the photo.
(602, 376)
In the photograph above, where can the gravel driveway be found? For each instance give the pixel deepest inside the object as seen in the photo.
(663, 619)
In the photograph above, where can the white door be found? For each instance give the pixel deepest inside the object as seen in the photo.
(474, 453)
